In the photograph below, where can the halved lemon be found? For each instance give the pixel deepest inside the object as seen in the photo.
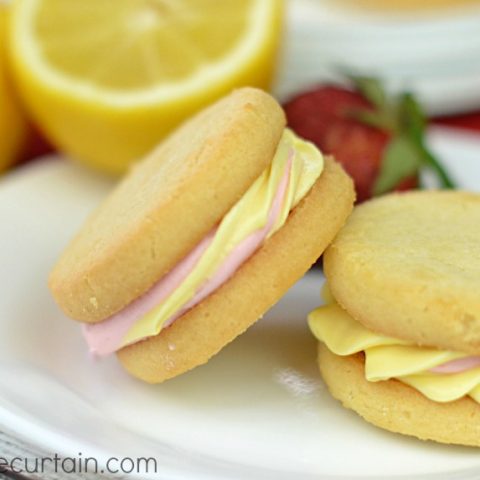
(108, 79)
(12, 122)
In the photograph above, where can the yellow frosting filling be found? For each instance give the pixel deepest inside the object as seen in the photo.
(247, 216)
(387, 357)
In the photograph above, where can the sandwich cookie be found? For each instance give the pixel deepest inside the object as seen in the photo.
(201, 238)
(400, 332)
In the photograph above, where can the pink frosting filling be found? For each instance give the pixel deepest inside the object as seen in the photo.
(106, 337)
(457, 366)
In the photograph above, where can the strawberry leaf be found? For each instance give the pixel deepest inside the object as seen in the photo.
(431, 162)
(413, 123)
(371, 88)
(411, 116)
(372, 118)
(401, 159)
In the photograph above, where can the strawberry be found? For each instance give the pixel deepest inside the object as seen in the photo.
(378, 141)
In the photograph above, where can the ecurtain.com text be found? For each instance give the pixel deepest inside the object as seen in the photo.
(78, 464)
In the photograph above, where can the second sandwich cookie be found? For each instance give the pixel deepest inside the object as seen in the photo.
(400, 334)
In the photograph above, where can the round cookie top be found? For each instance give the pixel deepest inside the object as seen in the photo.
(166, 204)
(408, 266)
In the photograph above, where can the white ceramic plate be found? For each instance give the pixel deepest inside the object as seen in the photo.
(431, 55)
(257, 410)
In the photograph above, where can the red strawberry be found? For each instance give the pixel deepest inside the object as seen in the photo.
(326, 116)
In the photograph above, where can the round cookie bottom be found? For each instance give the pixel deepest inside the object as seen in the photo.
(396, 407)
(259, 283)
